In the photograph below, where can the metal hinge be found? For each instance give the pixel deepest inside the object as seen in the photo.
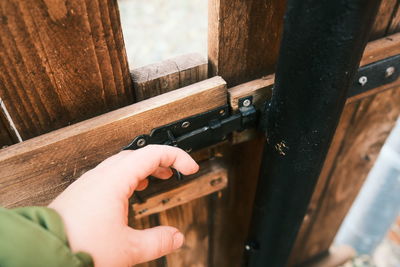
(201, 130)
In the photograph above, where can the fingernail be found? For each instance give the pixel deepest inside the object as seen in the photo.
(178, 240)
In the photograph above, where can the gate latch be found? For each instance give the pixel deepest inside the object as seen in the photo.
(201, 130)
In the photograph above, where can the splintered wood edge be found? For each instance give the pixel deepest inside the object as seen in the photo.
(212, 181)
(167, 67)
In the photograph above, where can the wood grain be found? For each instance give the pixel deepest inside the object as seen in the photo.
(364, 127)
(61, 62)
(34, 172)
(6, 138)
(243, 44)
(213, 178)
(192, 220)
(150, 81)
(168, 75)
(383, 19)
(244, 38)
(395, 23)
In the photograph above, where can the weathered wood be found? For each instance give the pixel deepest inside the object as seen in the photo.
(395, 23)
(212, 178)
(383, 19)
(148, 82)
(192, 220)
(364, 127)
(244, 38)
(168, 75)
(6, 138)
(61, 62)
(243, 44)
(381, 48)
(29, 176)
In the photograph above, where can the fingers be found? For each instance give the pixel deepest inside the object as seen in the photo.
(162, 173)
(124, 172)
(155, 242)
(146, 161)
(142, 185)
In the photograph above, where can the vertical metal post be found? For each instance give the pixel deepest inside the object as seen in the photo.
(321, 48)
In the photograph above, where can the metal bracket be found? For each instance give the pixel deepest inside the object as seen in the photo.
(375, 75)
(201, 130)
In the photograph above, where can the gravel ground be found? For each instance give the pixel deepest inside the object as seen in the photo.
(155, 30)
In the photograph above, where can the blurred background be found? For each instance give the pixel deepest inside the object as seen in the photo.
(156, 30)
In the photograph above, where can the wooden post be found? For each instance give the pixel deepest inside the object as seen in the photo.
(190, 218)
(244, 38)
(61, 62)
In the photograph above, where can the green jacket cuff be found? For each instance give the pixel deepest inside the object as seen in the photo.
(35, 236)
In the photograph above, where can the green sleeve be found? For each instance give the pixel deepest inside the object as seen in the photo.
(35, 236)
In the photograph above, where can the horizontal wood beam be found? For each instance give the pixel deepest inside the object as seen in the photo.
(35, 171)
(212, 177)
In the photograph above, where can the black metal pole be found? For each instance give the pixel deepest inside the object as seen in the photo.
(322, 45)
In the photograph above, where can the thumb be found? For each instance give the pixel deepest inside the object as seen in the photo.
(156, 242)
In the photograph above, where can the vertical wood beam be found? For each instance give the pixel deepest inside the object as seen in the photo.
(244, 38)
(61, 62)
(190, 218)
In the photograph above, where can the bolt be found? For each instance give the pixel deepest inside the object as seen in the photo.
(142, 211)
(222, 112)
(246, 102)
(165, 201)
(185, 124)
(247, 247)
(362, 80)
(141, 142)
(389, 71)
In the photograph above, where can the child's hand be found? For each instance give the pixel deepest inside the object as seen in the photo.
(95, 207)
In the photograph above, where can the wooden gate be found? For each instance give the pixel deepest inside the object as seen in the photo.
(67, 99)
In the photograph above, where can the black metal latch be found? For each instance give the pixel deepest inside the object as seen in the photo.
(201, 130)
(212, 127)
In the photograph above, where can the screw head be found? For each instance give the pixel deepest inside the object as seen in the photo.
(222, 112)
(188, 150)
(185, 124)
(141, 142)
(246, 102)
(389, 71)
(247, 247)
(362, 80)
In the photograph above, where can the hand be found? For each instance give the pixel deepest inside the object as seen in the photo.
(95, 207)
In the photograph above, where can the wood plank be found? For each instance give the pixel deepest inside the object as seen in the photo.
(168, 75)
(244, 38)
(365, 132)
(243, 43)
(61, 62)
(395, 23)
(150, 81)
(212, 178)
(194, 251)
(382, 48)
(6, 138)
(30, 177)
(383, 19)
(371, 124)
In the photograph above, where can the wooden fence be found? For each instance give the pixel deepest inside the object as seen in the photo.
(64, 61)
